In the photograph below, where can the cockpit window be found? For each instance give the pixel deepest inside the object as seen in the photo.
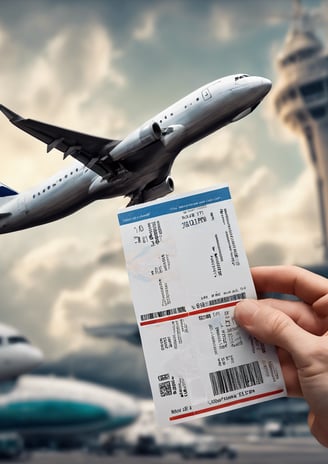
(241, 76)
(17, 339)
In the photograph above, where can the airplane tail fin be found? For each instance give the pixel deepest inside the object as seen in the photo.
(6, 193)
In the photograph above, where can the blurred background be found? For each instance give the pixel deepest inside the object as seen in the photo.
(104, 67)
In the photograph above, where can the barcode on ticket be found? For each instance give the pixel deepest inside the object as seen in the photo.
(166, 312)
(182, 309)
(236, 378)
(225, 299)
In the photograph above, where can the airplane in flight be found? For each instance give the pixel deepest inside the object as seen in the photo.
(17, 354)
(138, 166)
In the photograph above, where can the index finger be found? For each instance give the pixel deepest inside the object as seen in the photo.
(293, 280)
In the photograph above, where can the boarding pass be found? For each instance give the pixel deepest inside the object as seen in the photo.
(187, 270)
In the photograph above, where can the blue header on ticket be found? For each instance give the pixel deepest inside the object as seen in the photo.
(175, 205)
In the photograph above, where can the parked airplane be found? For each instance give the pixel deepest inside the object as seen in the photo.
(46, 409)
(145, 437)
(138, 166)
(17, 355)
(124, 331)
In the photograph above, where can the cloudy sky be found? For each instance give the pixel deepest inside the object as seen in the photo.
(104, 67)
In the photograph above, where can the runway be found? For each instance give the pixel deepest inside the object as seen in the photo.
(298, 450)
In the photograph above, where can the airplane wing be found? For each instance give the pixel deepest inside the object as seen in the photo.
(125, 331)
(90, 150)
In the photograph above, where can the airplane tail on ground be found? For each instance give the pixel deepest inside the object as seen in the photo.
(6, 193)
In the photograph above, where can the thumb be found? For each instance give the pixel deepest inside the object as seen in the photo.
(272, 326)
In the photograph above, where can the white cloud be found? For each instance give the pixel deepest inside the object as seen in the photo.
(285, 217)
(103, 297)
(223, 24)
(146, 28)
(228, 23)
(59, 84)
(223, 157)
(289, 219)
(65, 283)
(231, 20)
(31, 269)
(258, 184)
(227, 150)
(70, 69)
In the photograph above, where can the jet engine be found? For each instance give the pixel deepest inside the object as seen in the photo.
(159, 190)
(138, 139)
(154, 192)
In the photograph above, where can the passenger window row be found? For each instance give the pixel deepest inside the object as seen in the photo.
(54, 185)
(171, 114)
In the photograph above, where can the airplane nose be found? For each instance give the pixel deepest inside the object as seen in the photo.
(131, 411)
(266, 85)
(124, 409)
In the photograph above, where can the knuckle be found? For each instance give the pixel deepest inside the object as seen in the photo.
(278, 323)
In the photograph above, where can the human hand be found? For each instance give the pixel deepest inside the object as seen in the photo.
(299, 329)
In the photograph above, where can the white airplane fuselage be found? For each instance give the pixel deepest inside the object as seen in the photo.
(141, 173)
(63, 408)
(17, 355)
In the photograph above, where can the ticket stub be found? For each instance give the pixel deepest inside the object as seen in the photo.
(187, 269)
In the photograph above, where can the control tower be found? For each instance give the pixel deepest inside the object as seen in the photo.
(301, 99)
